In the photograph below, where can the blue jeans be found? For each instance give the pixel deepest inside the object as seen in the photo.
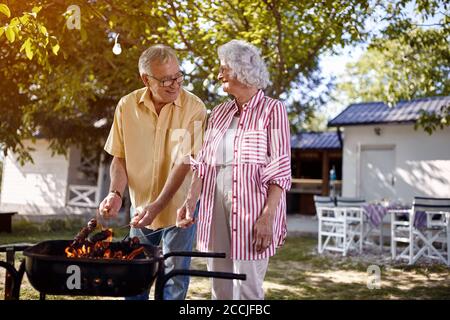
(173, 239)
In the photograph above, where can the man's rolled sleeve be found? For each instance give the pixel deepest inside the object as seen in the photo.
(114, 144)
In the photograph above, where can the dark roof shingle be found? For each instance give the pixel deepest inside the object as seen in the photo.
(379, 112)
(315, 140)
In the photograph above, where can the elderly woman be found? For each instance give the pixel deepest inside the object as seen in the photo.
(242, 172)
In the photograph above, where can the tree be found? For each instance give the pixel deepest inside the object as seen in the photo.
(414, 66)
(407, 61)
(61, 81)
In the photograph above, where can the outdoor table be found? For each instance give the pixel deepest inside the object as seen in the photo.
(376, 212)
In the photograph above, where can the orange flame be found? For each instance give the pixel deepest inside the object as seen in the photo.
(100, 250)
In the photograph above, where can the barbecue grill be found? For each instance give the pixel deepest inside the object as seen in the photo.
(51, 272)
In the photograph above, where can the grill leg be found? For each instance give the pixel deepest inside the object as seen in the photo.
(12, 292)
(8, 276)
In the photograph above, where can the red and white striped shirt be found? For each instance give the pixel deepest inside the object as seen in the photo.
(262, 156)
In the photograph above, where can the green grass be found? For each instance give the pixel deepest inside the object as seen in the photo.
(295, 272)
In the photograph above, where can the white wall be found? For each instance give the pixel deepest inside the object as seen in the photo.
(422, 161)
(38, 188)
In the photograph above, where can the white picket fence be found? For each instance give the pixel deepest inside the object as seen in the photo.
(83, 196)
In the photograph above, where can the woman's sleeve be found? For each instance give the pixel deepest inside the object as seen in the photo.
(278, 170)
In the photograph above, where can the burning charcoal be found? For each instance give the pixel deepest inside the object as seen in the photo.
(118, 255)
(135, 253)
(99, 250)
(82, 235)
(102, 235)
(135, 242)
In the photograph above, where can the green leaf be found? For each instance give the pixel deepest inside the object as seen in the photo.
(43, 30)
(36, 9)
(28, 49)
(14, 22)
(24, 44)
(55, 49)
(10, 35)
(5, 10)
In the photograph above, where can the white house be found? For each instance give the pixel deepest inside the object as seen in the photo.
(53, 184)
(384, 157)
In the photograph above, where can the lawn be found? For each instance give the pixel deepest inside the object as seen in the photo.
(296, 272)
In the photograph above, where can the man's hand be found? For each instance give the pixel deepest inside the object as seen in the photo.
(110, 206)
(185, 215)
(145, 216)
(263, 231)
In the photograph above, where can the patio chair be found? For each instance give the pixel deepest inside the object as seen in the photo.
(337, 226)
(424, 229)
(355, 219)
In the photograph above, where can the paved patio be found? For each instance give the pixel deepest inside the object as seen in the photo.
(298, 224)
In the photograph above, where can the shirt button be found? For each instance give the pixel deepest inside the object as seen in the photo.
(234, 230)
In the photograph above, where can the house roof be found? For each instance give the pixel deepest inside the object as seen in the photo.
(379, 112)
(315, 140)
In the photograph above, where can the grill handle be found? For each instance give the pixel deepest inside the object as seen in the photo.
(161, 280)
(195, 254)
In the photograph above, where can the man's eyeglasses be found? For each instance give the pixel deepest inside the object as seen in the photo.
(168, 82)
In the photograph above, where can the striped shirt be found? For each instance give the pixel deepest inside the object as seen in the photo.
(261, 157)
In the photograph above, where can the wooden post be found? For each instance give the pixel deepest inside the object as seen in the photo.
(325, 172)
(6, 221)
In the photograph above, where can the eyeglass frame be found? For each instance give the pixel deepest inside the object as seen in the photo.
(161, 82)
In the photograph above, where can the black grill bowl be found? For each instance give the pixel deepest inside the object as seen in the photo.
(50, 272)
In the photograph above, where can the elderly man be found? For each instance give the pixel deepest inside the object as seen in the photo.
(151, 137)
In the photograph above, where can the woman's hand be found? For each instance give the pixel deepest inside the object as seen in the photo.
(263, 230)
(185, 214)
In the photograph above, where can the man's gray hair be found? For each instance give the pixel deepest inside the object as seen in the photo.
(245, 62)
(158, 52)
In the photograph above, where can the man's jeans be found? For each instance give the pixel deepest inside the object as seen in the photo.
(173, 239)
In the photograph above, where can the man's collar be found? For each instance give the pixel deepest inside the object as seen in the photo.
(147, 101)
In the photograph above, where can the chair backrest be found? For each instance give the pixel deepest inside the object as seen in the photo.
(323, 201)
(349, 202)
(431, 204)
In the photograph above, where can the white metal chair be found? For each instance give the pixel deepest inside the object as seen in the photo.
(424, 229)
(339, 227)
(330, 226)
(355, 220)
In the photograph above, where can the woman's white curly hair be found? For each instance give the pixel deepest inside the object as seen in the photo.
(245, 62)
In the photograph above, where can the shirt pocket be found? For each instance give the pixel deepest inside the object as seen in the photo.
(254, 147)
